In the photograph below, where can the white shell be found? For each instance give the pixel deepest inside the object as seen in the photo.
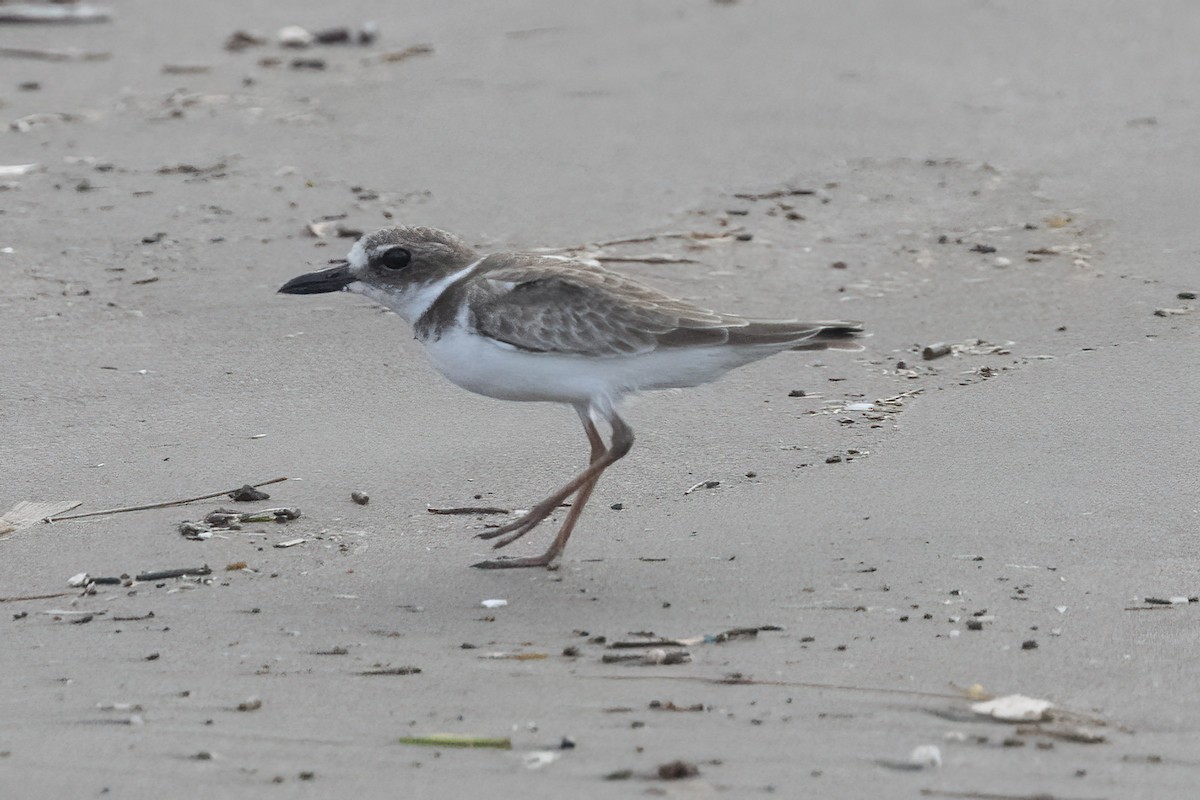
(1014, 708)
(295, 36)
(925, 756)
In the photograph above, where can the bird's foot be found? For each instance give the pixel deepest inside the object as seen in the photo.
(519, 527)
(548, 560)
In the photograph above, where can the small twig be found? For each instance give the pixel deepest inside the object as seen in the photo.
(468, 510)
(653, 658)
(738, 681)
(173, 573)
(775, 195)
(29, 12)
(166, 504)
(392, 671)
(458, 740)
(515, 656)
(690, 641)
(646, 643)
(693, 235)
(37, 597)
(612, 658)
(649, 259)
(1079, 734)
(52, 55)
(902, 396)
(397, 56)
(991, 795)
(629, 240)
(709, 484)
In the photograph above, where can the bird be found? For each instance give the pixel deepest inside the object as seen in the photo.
(535, 327)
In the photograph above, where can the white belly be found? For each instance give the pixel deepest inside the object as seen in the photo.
(497, 370)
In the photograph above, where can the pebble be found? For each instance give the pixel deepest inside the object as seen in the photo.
(938, 350)
(295, 36)
(925, 756)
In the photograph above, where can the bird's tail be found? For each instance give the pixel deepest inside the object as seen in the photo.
(821, 335)
(835, 335)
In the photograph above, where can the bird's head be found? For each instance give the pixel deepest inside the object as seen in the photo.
(404, 268)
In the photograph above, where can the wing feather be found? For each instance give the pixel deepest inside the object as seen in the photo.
(553, 305)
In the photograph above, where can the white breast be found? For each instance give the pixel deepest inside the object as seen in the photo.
(490, 368)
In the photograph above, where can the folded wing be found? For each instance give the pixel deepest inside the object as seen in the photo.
(552, 305)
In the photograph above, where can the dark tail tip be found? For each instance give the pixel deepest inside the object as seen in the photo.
(836, 335)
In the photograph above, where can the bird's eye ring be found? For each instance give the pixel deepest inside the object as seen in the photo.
(395, 258)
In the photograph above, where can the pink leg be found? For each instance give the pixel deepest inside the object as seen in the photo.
(581, 486)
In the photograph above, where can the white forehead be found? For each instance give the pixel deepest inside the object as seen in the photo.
(357, 256)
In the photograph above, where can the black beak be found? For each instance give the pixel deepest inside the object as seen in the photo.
(333, 279)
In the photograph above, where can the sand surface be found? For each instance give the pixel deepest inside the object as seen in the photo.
(1016, 179)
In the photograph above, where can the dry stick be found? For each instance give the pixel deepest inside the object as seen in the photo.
(54, 13)
(699, 235)
(902, 395)
(36, 597)
(52, 55)
(695, 235)
(798, 684)
(834, 686)
(167, 504)
(468, 510)
(775, 194)
(991, 795)
(164, 574)
(646, 260)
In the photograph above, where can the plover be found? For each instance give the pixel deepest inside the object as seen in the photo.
(520, 326)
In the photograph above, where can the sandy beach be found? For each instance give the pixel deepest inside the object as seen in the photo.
(801, 580)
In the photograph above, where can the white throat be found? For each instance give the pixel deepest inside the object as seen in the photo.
(409, 302)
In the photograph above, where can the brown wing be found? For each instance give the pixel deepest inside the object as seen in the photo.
(553, 305)
(558, 306)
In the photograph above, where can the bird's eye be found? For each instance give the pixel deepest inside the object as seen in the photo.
(395, 258)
